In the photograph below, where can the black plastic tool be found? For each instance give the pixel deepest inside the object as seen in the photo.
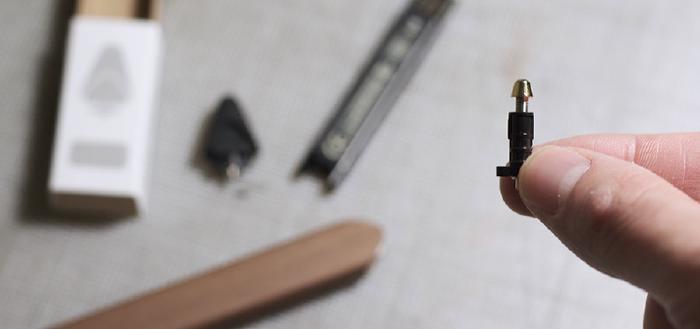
(229, 145)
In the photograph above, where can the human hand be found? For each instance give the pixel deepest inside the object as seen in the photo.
(628, 206)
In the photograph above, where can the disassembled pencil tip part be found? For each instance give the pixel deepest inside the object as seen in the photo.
(521, 128)
(230, 146)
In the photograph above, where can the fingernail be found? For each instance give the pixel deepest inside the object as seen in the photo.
(548, 176)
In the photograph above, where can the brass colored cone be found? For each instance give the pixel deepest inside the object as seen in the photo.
(522, 89)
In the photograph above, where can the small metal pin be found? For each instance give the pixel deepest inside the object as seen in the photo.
(522, 91)
(233, 171)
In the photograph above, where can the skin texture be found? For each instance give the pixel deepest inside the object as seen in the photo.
(628, 206)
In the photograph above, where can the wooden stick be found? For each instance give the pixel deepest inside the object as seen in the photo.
(247, 285)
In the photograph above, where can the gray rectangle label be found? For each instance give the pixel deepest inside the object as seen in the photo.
(98, 154)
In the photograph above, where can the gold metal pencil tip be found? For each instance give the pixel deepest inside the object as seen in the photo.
(522, 89)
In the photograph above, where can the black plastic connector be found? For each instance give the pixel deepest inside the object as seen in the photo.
(521, 130)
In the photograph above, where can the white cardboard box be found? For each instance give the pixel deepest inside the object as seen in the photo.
(106, 112)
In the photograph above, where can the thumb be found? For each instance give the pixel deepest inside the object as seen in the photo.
(619, 217)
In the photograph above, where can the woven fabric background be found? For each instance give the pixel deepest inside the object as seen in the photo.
(453, 257)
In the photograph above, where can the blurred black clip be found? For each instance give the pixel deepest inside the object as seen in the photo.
(375, 90)
(229, 145)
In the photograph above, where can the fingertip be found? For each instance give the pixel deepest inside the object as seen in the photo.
(511, 196)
